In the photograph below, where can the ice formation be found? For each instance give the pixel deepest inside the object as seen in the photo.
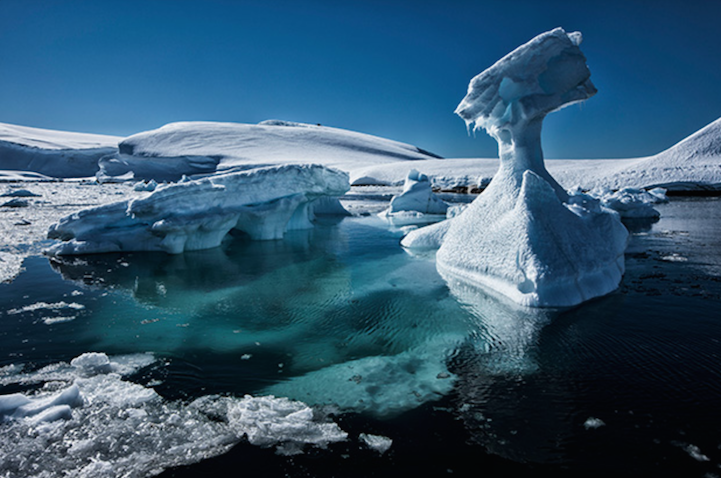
(633, 203)
(263, 203)
(56, 154)
(522, 237)
(417, 196)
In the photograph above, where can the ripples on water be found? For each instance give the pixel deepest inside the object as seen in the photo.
(628, 384)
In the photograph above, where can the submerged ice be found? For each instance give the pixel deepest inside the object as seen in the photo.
(523, 237)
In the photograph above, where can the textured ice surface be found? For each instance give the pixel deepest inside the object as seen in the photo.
(263, 203)
(88, 421)
(522, 237)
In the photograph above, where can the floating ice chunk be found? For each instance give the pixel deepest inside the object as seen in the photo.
(92, 363)
(429, 237)
(146, 186)
(21, 193)
(264, 203)
(522, 236)
(269, 420)
(634, 203)
(378, 443)
(695, 453)
(17, 202)
(592, 423)
(417, 196)
(47, 408)
(44, 305)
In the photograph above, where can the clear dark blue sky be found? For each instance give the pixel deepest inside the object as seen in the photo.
(390, 68)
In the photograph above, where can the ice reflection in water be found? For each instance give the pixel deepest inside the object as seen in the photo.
(334, 315)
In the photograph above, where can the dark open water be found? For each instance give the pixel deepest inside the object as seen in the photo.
(626, 385)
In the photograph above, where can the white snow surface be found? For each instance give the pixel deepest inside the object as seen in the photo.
(690, 165)
(193, 148)
(52, 153)
(87, 420)
(263, 203)
(524, 237)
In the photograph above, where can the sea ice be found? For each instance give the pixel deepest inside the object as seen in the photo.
(263, 203)
(522, 237)
(87, 421)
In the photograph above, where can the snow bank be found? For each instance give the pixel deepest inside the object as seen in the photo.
(57, 154)
(194, 215)
(193, 148)
(87, 420)
(522, 237)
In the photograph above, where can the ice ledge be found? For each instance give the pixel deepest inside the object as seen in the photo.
(264, 203)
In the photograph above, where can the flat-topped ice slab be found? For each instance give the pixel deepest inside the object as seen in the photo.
(263, 203)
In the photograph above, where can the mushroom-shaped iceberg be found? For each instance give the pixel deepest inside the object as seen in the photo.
(524, 237)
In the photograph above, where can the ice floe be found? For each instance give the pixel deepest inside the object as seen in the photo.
(89, 420)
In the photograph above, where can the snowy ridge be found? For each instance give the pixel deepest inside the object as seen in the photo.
(57, 154)
(53, 139)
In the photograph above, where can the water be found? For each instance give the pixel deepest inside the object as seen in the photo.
(341, 318)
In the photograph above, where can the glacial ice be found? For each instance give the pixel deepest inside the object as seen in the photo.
(263, 203)
(523, 237)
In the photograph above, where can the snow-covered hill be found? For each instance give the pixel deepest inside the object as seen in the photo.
(59, 154)
(207, 147)
(692, 164)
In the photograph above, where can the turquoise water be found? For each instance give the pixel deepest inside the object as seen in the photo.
(342, 318)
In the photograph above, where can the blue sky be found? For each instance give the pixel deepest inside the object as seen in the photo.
(393, 69)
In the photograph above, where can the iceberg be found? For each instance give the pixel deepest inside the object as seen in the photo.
(417, 196)
(52, 154)
(525, 237)
(416, 204)
(264, 203)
